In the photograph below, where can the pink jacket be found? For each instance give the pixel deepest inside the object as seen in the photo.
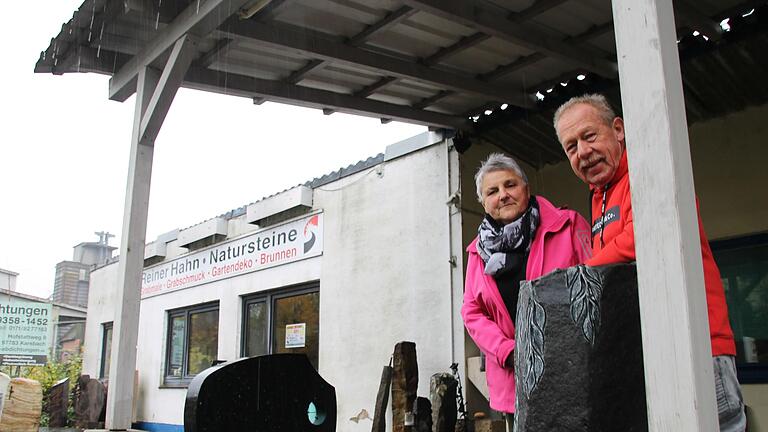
(562, 240)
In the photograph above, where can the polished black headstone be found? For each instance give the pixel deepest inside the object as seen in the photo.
(278, 392)
(578, 357)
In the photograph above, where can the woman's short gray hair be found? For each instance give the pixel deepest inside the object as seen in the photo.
(497, 162)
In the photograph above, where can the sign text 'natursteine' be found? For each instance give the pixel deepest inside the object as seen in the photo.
(282, 244)
(24, 332)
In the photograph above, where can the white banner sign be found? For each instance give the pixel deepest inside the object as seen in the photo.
(24, 332)
(270, 247)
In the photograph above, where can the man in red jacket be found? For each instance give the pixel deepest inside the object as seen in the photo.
(593, 139)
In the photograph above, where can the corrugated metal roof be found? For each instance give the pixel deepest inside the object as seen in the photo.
(433, 62)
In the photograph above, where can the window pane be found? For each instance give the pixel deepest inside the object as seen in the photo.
(106, 351)
(297, 310)
(176, 351)
(745, 277)
(256, 331)
(203, 340)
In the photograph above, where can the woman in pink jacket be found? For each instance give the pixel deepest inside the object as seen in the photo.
(521, 237)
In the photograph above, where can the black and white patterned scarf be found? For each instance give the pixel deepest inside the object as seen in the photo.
(497, 244)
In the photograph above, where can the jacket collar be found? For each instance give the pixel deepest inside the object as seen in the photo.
(622, 170)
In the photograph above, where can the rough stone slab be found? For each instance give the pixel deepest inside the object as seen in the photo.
(488, 425)
(382, 399)
(442, 393)
(23, 406)
(91, 403)
(579, 358)
(58, 403)
(423, 413)
(405, 382)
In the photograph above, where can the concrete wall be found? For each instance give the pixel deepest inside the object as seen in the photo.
(385, 276)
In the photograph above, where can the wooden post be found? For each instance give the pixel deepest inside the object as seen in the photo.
(155, 92)
(676, 345)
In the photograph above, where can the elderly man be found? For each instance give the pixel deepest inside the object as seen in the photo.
(593, 139)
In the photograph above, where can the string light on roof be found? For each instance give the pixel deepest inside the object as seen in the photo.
(564, 84)
(705, 37)
(504, 106)
(475, 118)
(696, 33)
(549, 90)
(540, 96)
(748, 13)
(488, 112)
(725, 25)
(581, 77)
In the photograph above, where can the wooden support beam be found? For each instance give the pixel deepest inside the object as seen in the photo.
(508, 68)
(168, 85)
(432, 99)
(276, 91)
(375, 87)
(464, 43)
(536, 9)
(198, 19)
(296, 76)
(673, 311)
(302, 43)
(387, 22)
(469, 13)
(127, 299)
(219, 50)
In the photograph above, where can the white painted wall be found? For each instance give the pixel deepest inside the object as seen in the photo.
(385, 277)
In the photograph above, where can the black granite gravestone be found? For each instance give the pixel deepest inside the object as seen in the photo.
(578, 357)
(279, 392)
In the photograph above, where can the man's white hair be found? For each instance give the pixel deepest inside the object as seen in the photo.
(497, 162)
(595, 100)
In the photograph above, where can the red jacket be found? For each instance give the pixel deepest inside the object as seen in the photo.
(562, 240)
(613, 241)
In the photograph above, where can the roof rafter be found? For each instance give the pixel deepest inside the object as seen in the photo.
(304, 43)
(389, 21)
(687, 14)
(464, 43)
(194, 20)
(277, 91)
(468, 13)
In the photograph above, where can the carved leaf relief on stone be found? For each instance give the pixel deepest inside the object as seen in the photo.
(586, 288)
(531, 343)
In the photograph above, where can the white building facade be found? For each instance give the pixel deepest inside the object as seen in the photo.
(342, 269)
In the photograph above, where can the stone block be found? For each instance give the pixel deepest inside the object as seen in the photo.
(579, 358)
(23, 406)
(405, 382)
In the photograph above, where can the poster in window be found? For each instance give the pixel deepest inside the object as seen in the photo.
(295, 335)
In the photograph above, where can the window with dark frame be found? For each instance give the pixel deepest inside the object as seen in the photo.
(743, 264)
(106, 350)
(282, 321)
(191, 342)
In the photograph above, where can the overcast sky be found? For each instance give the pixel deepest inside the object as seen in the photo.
(64, 154)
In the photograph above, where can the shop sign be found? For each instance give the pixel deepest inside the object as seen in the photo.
(292, 241)
(24, 332)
